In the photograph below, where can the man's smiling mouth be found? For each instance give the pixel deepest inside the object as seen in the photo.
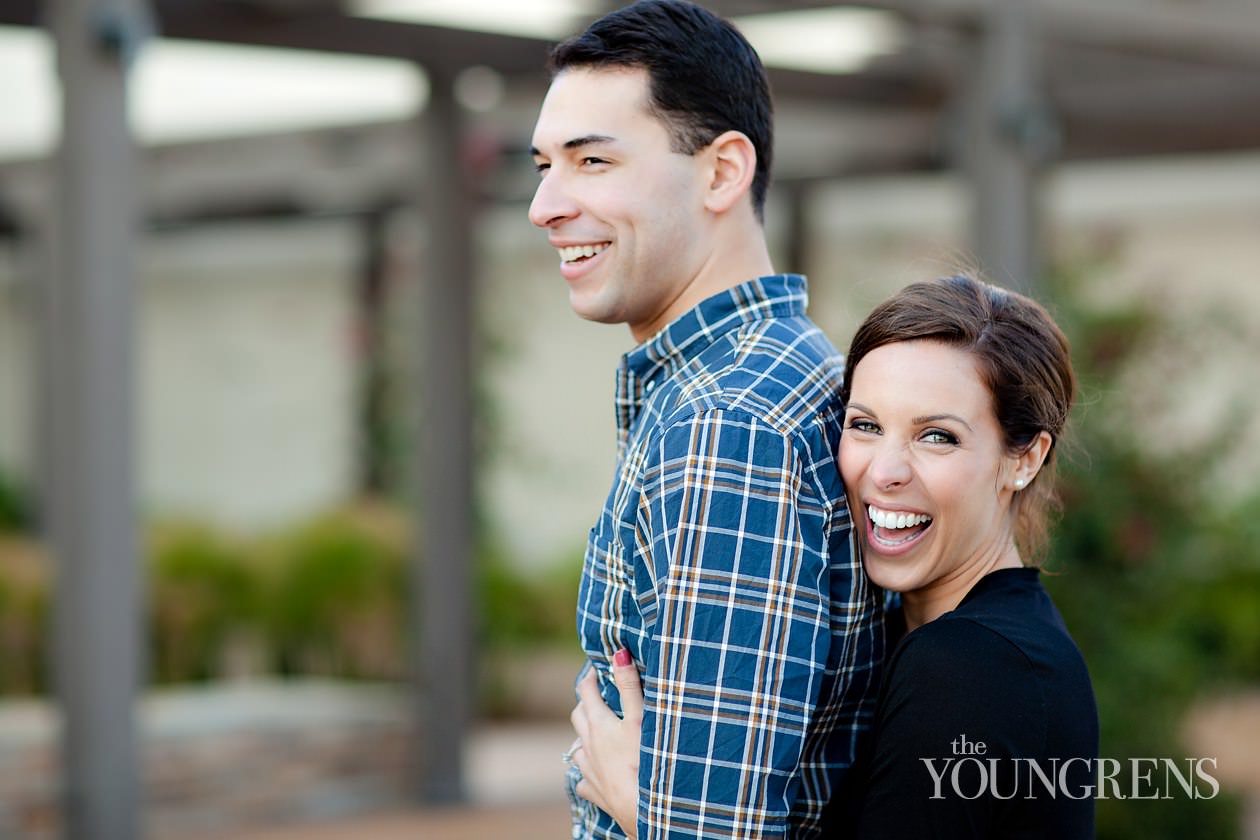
(579, 253)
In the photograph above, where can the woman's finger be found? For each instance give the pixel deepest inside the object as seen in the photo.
(626, 676)
(586, 789)
(588, 692)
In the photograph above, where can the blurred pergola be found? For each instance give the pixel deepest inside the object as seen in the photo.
(997, 89)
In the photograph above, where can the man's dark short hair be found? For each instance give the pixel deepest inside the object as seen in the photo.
(705, 78)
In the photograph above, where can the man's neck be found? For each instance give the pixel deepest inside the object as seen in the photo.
(736, 258)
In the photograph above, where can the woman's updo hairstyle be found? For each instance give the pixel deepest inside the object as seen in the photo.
(1022, 357)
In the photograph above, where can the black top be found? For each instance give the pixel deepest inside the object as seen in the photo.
(981, 714)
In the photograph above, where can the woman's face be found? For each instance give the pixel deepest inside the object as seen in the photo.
(927, 472)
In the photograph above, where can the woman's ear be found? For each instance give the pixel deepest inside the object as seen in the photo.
(734, 164)
(1029, 462)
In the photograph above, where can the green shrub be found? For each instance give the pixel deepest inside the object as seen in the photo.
(328, 597)
(23, 617)
(1158, 588)
(202, 592)
(336, 594)
(15, 507)
(519, 609)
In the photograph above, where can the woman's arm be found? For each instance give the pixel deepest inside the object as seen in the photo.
(608, 755)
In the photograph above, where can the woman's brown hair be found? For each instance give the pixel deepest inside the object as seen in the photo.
(1023, 359)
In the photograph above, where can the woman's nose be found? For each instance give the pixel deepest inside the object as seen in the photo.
(890, 466)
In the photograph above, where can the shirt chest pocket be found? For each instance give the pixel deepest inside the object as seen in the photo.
(604, 594)
(605, 561)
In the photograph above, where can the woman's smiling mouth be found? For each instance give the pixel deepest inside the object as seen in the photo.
(893, 529)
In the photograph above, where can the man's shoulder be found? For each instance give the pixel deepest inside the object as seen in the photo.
(783, 371)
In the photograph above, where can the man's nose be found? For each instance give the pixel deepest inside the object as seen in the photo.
(551, 204)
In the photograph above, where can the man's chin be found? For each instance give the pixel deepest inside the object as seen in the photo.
(590, 308)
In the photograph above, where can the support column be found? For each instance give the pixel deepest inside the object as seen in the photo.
(1007, 136)
(375, 439)
(796, 199)
(1251, 817)
(88, 334)
(442, 608)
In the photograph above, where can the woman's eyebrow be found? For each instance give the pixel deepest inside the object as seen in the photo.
(932, 418)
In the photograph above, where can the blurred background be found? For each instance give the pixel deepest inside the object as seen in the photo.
(300, 440)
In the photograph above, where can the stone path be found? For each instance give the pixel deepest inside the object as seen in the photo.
(546, 821)
(515, 782)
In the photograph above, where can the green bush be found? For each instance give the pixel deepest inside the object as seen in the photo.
(1158, 588)
(202, 593)
(328, 597)
(527, 610)
(23, 617)
(15, 507)
(336, 595)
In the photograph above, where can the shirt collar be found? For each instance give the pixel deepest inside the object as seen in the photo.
(775, 295)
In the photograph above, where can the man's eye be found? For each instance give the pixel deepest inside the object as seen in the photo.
(591, 161)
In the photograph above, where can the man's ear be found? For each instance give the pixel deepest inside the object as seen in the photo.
(733, 161)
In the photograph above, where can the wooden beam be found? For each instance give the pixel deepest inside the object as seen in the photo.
(449, 49)
(1205, 32)
(1212, 32)
(443, 569)
(319, 27)
(1006, 136)
(87, 335)
(1159, 117)
(431, 46)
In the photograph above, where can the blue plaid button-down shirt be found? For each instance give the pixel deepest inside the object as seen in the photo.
(725, 561)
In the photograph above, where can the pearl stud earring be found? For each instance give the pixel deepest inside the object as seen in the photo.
(1019, 484)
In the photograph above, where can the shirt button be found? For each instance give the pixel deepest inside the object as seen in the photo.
(648, 388)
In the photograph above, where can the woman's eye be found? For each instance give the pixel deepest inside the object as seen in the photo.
(541, 168)
(940, 436)
(860, 425)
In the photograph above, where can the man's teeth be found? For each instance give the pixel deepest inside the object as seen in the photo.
(891, 521)
(576, 252)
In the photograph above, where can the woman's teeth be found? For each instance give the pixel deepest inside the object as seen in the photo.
(572, 253)
(891, 521)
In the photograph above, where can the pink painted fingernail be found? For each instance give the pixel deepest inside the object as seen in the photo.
(622, 658)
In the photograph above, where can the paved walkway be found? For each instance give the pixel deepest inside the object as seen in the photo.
(515, 781)
(513, 773)
(548, 821)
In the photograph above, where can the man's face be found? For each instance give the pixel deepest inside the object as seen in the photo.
(625, 212)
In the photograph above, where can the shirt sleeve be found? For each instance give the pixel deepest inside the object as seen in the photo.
(737, 611)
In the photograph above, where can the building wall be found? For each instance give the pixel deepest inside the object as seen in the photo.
(1184, 233)
(249, 369)
(246, 372)
(16, 371)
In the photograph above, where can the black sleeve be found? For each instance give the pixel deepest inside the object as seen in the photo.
(960, 702)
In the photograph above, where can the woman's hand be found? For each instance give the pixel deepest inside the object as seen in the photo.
(608, 755)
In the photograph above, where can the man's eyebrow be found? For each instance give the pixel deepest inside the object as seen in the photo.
(578, 142)
(588, 140)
